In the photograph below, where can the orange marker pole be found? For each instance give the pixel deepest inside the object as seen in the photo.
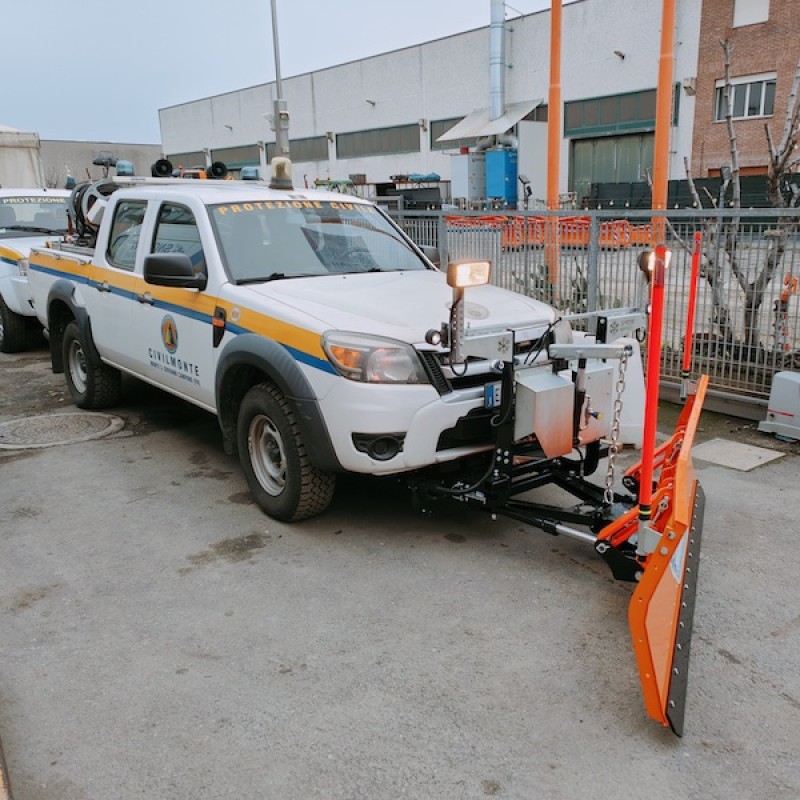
(664, 103)
(689, 335)
(658, 268)
(552, 244)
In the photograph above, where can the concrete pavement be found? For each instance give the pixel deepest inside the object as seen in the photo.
(162, 638)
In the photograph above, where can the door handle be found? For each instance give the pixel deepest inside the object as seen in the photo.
(103, 287)
(145, 298)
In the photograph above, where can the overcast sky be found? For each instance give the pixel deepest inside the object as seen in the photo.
(99, 70)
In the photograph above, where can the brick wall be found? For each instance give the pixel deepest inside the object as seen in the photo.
(772, 46)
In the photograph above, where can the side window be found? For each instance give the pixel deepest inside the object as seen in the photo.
(125, 232)
(176, 232)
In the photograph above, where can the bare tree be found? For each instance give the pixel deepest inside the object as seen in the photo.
(721, 240)
(52, 178)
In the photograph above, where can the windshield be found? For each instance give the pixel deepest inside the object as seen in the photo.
(267, 240)
(32, 214)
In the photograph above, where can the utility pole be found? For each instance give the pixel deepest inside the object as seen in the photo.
(552, 254)
(280, 117)
(664, 105)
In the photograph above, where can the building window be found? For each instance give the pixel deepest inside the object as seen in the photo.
(378, 141)
(313, 148)
(235, 157)
(752, 96)
(620, 113)
(440, 126)
(750, 12)
(539, 114)
(188, 160)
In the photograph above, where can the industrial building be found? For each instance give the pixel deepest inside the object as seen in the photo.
(427, 116)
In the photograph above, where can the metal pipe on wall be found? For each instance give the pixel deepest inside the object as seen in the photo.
(497, 59)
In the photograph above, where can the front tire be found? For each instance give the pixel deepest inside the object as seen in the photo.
(92, 384)
(15, 335)
(282, 479)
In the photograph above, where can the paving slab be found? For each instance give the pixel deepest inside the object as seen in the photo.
(735, 455)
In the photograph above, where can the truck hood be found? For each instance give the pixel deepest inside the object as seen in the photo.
(400, 305)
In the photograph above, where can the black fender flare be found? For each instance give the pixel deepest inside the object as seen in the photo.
(62, 292)
(249, 355)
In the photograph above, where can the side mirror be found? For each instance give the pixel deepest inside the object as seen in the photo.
(174, 270)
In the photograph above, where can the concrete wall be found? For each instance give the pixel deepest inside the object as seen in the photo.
(449, 77)
(61, 157)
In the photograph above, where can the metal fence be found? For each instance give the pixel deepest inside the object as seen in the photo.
(747, 319)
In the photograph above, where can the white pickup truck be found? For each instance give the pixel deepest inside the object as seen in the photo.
(320, 335)
(27, 218)
(326, 341)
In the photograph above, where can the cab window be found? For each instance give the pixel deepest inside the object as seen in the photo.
(176, 232)
(125, 232)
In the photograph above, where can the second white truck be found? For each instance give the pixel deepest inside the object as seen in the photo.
(28, 217)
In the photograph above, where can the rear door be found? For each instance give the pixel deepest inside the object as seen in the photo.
(113, 284)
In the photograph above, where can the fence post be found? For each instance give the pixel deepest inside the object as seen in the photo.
(441, 239)
(593, 268)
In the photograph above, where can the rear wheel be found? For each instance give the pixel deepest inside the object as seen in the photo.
(282, 479)
(91, 383)
(15, 335)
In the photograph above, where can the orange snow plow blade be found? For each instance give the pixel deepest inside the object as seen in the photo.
(661, 610)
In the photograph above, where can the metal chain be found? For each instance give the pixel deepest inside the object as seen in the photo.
(613, 450)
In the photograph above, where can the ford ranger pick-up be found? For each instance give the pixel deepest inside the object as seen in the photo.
(306, 321)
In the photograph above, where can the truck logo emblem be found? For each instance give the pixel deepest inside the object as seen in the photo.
(169, 334)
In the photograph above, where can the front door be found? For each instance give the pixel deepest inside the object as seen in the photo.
(177, 334)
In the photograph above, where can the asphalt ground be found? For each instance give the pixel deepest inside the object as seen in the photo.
(162, 638)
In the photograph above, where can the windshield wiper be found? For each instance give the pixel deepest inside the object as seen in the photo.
(276, 276)
(33, 229)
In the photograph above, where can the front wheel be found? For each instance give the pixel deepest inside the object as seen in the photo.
(15, 335)
(91, 383)
(282, 479)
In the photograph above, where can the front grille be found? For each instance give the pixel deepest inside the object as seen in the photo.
(446, 379)
(433, 368)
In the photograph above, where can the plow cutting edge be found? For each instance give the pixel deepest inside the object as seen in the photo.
(661, 611)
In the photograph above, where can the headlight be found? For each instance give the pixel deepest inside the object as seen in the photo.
(373, 359)
(22, 265)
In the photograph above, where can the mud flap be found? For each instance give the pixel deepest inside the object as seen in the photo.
(661, 611)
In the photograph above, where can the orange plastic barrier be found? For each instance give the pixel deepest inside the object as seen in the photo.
(520, 231)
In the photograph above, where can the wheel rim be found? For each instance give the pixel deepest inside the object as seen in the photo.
(267, 454)
(76, 362)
